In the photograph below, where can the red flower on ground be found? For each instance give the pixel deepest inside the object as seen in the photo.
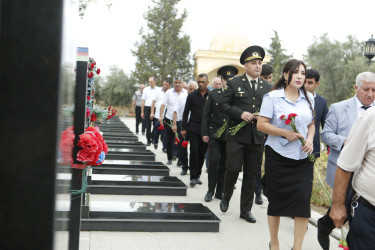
(288, 121)
(185, 144)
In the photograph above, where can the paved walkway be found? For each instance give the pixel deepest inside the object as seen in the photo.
(235, 233)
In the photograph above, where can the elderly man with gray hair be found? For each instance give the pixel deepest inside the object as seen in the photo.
(193, 85)
(340, 119)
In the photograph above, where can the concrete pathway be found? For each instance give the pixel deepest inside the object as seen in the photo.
(235, 233)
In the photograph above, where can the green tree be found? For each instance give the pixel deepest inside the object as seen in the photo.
(338, 64)
(83, 4)
(278, 56)
(163, 50)
(118, 88)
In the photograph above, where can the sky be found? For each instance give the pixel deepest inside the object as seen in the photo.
(111, 34)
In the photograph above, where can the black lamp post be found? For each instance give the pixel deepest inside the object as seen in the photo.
(370, 49)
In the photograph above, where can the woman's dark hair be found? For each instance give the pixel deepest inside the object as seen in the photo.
(290, 67)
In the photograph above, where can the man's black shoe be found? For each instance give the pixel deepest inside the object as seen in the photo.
(143, 133)
(164, 150)
(148, 144)
(192, 183)
(323, 236)
(208, 196)
(248, 217)
(155, 146)
(224, 205)
(258, 199)
(198, 181)
(179, 163)
(169, 162)
(219, 196)
(183, 172)
(174, 158)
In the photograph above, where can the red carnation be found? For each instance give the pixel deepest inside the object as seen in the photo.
(92, 65)
(88, 112)
(66, 146)
(90, 74)
(98, 71)
(185, 144)
(292, 115)
(288, 121)
(93, 117)
(282, 117)
(88, 98)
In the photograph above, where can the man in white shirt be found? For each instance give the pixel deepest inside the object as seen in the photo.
(170, 101)
(147, 97)
(156, 103)
(357, 156)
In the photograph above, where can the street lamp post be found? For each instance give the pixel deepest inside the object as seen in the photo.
(370, 49)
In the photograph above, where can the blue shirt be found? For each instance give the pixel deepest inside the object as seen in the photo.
(275, 105)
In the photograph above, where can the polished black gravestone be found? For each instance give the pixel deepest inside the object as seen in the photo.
(136, 185)
(129, 154)
(150, 217)
(130, 138)
(118, 167)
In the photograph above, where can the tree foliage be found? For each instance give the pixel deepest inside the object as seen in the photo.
(118, 88)
(338, 64)
(83, 4)
(163, 50)
(278, 56)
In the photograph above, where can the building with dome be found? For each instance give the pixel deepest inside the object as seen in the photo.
(225, 49)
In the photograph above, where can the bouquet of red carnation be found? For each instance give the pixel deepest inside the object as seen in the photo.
(177, 140)
(291, 121)
(93, 117)
(93, 147)
(184, 144)
(343, 244)
(161, 127)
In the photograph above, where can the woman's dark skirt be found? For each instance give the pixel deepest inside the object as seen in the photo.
(288, 185)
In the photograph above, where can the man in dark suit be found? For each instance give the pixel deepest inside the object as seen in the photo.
(213, 119)
(241, 102)
(321, 109)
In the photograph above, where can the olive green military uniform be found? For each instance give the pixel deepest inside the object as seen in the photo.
(245, 148)
(212, 120)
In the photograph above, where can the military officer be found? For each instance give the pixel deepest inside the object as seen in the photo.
(213, 119)
(241, 102)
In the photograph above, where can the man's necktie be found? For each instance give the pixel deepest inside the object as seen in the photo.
(366, 107)
(253, 82)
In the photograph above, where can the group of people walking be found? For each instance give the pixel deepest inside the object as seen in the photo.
(245, 117)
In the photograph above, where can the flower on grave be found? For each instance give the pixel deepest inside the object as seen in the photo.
(111, 112)
(88, 112)
(98, 71)
(291, 121)
(93, 117)
(90, 74)
(93, 147)
(185, 144)
(88, 98)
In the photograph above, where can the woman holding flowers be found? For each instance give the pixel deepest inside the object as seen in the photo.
(287, 116)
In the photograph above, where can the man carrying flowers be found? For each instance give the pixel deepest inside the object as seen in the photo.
(240, 102)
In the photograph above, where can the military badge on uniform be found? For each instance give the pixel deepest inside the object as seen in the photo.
(240, 92)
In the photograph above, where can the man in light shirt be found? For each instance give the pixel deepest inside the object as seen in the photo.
(156, 103)
(170, 101)
(147, 97)
(136, 105)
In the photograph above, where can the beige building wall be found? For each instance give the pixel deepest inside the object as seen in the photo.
(225, 49)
